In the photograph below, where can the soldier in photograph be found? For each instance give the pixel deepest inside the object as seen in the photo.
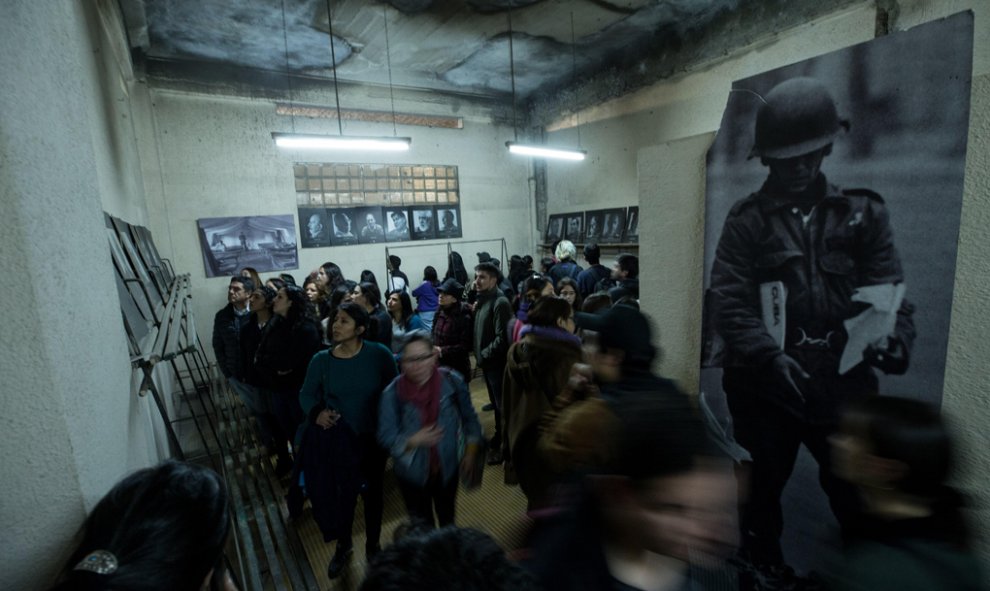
(797, 250)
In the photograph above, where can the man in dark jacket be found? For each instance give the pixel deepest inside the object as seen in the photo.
(491, 343)
(227, 326)
(589, 278)
(790, 263)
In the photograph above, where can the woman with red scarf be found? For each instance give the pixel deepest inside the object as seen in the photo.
(420, 416)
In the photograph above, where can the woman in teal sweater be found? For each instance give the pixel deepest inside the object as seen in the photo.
(346, 383)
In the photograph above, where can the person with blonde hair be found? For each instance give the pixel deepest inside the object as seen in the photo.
(565, 267)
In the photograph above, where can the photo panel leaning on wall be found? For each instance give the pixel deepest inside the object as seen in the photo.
(834, 190)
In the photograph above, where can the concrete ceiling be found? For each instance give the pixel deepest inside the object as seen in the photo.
(458, 47)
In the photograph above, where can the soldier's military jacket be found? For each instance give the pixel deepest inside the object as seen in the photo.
(821, 257)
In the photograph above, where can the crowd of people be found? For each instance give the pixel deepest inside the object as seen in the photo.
(628, 486)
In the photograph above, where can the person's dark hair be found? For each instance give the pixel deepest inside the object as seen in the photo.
(533, 287)
(246, 282)
(267, 293)
(455, 268)
(545, 264)
(595, 302)
(302, 309)
(371, 293)
(547, 310)
(394, 262)
(489, 269)
(630, 264)
(406, 303)
(448, 558)
(253, 274)
(369, 276)
(592, 253)
(278, 282)
(418, 336)
(287, 278)
(430, 274)
(334, 275)
(166, 526)
(528, 260)
(517, 270)
(358, 314)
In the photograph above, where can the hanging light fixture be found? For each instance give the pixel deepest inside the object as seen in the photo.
(339, 142)
(539, 150)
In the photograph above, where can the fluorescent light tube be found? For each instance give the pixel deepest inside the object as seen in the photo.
(341, 142)
(546, 152)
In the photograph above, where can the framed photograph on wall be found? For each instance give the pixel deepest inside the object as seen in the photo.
(594, 222)
(555, 228)
(314, 227)
(265, 242)
(396, 224)
(369, 220)
(632, 225)
(613, 226)
(343, 223)
(575, 227)
(424, 226)
(449, 221)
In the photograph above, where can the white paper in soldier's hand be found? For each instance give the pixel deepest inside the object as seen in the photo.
(873, 325)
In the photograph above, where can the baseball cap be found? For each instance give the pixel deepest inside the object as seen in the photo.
(484, 257)
(624, 328)
(452, 287)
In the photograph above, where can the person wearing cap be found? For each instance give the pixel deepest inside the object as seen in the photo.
(565, 267)
(453, 328)
(491, 320)
(804, 247)
(588, 279)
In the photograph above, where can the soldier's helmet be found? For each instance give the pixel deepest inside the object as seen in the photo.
(797, 117)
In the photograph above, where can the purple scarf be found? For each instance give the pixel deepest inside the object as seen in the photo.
(550, 332)
(523, 313)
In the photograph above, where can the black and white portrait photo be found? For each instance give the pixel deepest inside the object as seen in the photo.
(266, 242)
(833, 199)
(424, 226)
(632, 225)
(314, 227)
(555, 228)
(613, 226)
(575, 227)
(396, 224)
(344, 227)
(594, 224)
(370, 221)
(448, 221)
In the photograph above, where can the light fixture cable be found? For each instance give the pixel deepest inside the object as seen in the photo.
(577, 114)
(288, 78)
(333, 63)
(512, 77)
(388, 61)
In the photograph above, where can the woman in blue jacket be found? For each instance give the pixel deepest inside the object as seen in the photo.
(421, 413)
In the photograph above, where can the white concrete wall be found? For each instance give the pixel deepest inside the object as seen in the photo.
(69, 426)
(218, 159)
(670, 127)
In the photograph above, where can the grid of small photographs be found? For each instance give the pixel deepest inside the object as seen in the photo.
(344, 204)
(602, 226)
(343, 226)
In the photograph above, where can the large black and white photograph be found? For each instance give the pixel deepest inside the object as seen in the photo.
(396, 224)
(448, 221)
(424, 226)
(343, 223)
(313, 227)
(834, 192)
(631, 235)
(265, 242)
(555, 228)
(594, 224)
(370, 221)
(613, 226)
(574, 228)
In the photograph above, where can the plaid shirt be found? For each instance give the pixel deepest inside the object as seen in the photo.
(452, 332)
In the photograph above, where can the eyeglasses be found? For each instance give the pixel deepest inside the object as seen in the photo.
(417, 359)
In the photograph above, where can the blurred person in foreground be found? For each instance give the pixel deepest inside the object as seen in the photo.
(159, 529)
(911, 535)
(452, 558)
(654, 510)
